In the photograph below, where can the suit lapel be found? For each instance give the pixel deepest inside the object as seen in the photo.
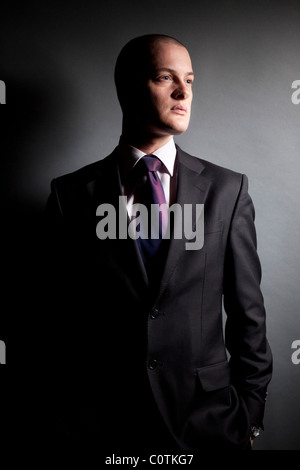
(192, 188)
(124, 255)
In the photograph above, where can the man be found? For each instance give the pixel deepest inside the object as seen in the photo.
(140, 360)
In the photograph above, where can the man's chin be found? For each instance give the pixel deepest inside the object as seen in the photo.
(178, 127)
(178, 130)
(168, 128)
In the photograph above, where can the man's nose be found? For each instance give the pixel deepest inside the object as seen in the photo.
(181, 92)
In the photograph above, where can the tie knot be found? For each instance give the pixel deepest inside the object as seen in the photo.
(151, 162)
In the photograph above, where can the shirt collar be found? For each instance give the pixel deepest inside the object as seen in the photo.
(129, 156)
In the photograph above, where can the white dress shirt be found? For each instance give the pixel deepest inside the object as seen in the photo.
(128, 158)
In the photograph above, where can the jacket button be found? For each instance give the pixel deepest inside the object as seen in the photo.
(153, 364)
(154, 313)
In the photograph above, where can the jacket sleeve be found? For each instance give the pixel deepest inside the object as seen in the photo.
(245, 331)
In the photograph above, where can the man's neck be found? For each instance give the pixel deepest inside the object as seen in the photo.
(147, 144)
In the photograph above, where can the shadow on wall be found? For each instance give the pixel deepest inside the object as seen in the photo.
(34, 105)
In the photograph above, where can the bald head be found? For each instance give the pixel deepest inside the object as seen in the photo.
(154, 78)
(135, 58)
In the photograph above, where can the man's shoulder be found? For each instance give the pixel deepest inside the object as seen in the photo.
(85, 174)
(207, 168)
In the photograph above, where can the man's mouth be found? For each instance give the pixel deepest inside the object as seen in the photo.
(179, 109)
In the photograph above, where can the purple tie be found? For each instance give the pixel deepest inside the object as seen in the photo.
(152, 193)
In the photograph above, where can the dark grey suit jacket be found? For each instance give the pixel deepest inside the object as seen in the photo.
(119, 342)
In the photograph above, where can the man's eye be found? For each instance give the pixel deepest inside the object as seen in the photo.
(164, 78)
(189, 82)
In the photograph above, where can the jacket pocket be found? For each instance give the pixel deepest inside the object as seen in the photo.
(215, 376)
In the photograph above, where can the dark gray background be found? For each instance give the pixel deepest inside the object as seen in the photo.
(57, 61)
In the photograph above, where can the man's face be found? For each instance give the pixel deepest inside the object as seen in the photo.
(166, 101)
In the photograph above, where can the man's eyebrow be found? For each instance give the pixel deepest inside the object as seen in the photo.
(167, 69)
